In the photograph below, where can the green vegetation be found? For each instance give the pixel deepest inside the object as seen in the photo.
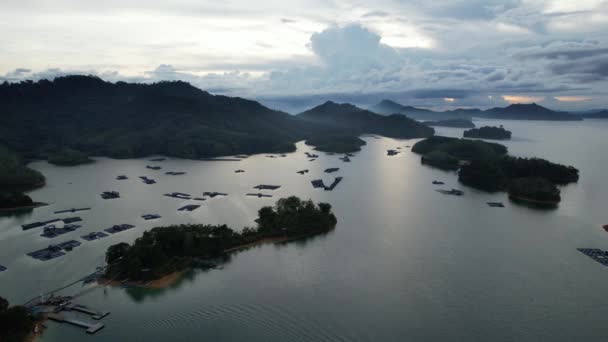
(15, 322)
(336, 144)
(456, 123)
(534, 190)
(69, 157)
(163, 250)
(488, 168)
(487, 132)
(14, 199)
(14, 174)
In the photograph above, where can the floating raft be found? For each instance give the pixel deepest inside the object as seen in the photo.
(333, 185)
(53, 232)
(94, 236)
(71, 219)
(122, 177)
(266, 187)
(213, 194)
(38, 224)
(110, 195)
(239, 171)
(496, 204)
(179, 195)
(73, 210)
(153, 167)
(345, 159)
(259, 195)
(150, 217)
(332, 169)
(595, 254)
(454, 192)
(317, 183)
(303, 171)
(189, 207)
(118, 228)
(91, 328)
(2, 268)
(310, 155)
(175, 173)
(54, 251)
(147, 180)
(436, 182)
(392, 152)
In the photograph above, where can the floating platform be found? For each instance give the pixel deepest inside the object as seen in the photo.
(73, 210)
(496, 204)
(199, 199)
(54, 251)
(153, 167)
(595, 254)
(91, 328)
(39, 224)
(345, 159)
(147, 180)
(317, 183)
(213, 194)
(96, 315)
(392, 152)
(266, 187)
(179, 195)
(332, 169)
(53, 232)
(2, 268)
(239, 171)
(333, 185)
(303, 171)
(311, 155)
(175, 173)
(118, 228)
(438, 182)
(110, 195)
(259, 195)
(122, 177)
(94, 236)
(71, 219)
(189, 207)
(150, 217)
(454, 192)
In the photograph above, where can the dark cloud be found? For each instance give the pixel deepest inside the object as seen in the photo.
(571, 54)
(585, 70)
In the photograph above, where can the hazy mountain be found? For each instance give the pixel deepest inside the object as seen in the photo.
(528, 112)
(358, 121)
(602, 114)
(388, 107)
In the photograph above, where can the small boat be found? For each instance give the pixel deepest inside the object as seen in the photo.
(436, 182)
(496, 204)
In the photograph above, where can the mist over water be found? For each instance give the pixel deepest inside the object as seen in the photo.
(404, 262)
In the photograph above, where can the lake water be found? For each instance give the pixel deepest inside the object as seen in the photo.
(405, 263)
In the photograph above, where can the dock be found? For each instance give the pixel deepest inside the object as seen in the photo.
(73, 210)
(96, 315)
(38, 224)
(332, 169)
(91, 328)
(118, 228)
(94, 236)
(189, 207)
(266, 187)
(595, 254)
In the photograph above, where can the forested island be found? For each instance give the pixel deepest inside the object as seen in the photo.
(164, 250)
(487, 166)
(15, 322)
(455, 123)
(15, 178)
(336, 144)
(69, 157)
(488, 132)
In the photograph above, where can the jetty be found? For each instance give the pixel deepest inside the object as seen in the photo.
(303, 171)
(2, 268)
(122, 177)
(38, 224)
(332, 169)
(118, 228)
(213, 194)
(595, 254)
(53, 232)
(110, 195)
(73, 210)
(54, 251)
(175, 173)
(266, 187)
(189, 207)
(496, 204)
(71, 219)
(259, 195)
(94, 236)
(153, 167)
(454, 192)
(150, 217)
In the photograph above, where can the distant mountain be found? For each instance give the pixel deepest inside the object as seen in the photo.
(357, 121)
(455, 123)
(528, 112)
(603, 114)
(388, 107)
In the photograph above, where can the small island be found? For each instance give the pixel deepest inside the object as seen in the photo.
(69, 157)
(336, 144)
(486, 166)
(163, 251)
(14, 201)
(454, 123)
(487, 132)
(15, 178)
(16, 324)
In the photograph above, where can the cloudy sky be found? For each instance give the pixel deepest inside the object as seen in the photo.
(293, 54)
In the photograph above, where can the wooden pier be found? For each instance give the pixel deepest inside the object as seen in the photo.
(91, 328)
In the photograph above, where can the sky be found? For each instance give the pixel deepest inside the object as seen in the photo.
(291, 55)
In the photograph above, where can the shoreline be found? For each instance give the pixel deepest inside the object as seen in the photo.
(533, 201)
(33, 206)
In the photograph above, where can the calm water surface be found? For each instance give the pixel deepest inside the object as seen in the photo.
(405, 263)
